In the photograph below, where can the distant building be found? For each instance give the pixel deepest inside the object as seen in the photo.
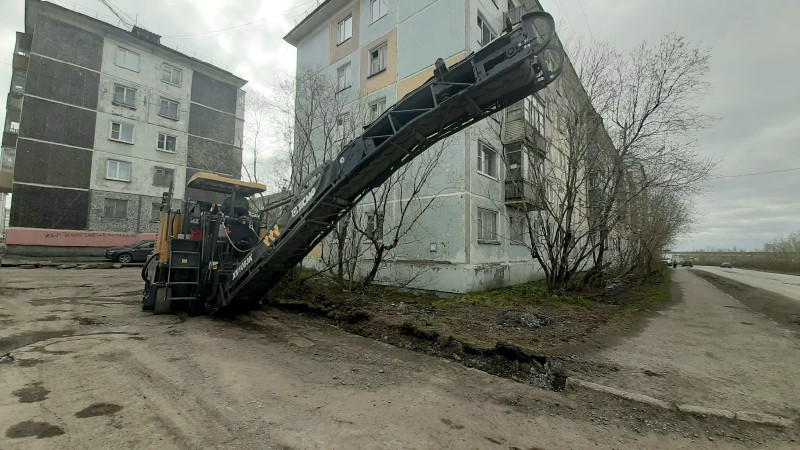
(100, 121)
(377, 51)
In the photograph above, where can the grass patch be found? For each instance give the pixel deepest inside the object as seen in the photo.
(524, 294)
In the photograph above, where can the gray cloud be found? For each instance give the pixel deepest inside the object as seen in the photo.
(754, 95)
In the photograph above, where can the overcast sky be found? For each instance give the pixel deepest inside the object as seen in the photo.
(754, 68)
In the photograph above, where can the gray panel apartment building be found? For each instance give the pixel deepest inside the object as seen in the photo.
(376, 52)
(100, 121)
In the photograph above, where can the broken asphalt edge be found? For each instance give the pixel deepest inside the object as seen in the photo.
(700, 411)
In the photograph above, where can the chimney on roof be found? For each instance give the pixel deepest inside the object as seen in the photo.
(145, 35)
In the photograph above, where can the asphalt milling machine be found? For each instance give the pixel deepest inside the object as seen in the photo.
(210, 258)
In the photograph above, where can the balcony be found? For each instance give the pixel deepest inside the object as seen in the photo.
(521, 130)
(7, 170)
(18, 83)
(524, 195)
(524, 122)
(515, 15)
(14, 101)
(22, 50)
(9, 139)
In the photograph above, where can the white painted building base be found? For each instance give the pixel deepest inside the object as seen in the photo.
(449, 278)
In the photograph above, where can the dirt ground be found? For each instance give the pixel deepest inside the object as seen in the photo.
(710, 348)
(523, 332)
(82, 367)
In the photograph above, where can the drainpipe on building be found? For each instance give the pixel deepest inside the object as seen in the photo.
(139, 215)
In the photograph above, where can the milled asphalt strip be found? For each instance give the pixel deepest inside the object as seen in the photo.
(743, 416)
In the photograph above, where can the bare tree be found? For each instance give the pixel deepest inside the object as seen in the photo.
(608, 144)
(395, 209)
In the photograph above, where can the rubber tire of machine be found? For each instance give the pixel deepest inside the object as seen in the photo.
(162, 305)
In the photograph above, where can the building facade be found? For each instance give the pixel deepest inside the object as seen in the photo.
(101, 121)
(377, 51)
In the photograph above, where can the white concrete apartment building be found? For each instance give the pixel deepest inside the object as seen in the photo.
(382, 50)
(102, 121)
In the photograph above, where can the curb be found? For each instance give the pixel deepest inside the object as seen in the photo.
(700, 411)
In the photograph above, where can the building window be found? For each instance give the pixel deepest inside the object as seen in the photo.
(122, 132)
(377, 59)
(171, 75)
(513, 162)
(166, 143)
(378, 9)
(535, 113)
(169, 109)
(341, 124)
(375, 225)
(517, 223)
(377, 108)
(345, 30)
(124, 95)
(115, 208)
(127, 59)
(155, 212)
(487, 160)
(343, 77)
(162, 177)
(487, 225)
(487, 34)
(118, 170)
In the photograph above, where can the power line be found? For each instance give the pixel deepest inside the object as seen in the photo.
(187, 36)
(586, 20)
(239, 27)
(755, 173)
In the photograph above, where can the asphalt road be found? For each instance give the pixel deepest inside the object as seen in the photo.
(788, 285)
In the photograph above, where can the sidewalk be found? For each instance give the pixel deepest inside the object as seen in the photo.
(55, 261)
(708, 349)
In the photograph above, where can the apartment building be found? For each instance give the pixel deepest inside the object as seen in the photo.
(380, 50)
(100, 122)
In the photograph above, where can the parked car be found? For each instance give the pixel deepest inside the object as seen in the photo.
(725, 265)
(132, 253)
(686, 263)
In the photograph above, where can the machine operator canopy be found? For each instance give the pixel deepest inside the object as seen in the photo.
(211, 182)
